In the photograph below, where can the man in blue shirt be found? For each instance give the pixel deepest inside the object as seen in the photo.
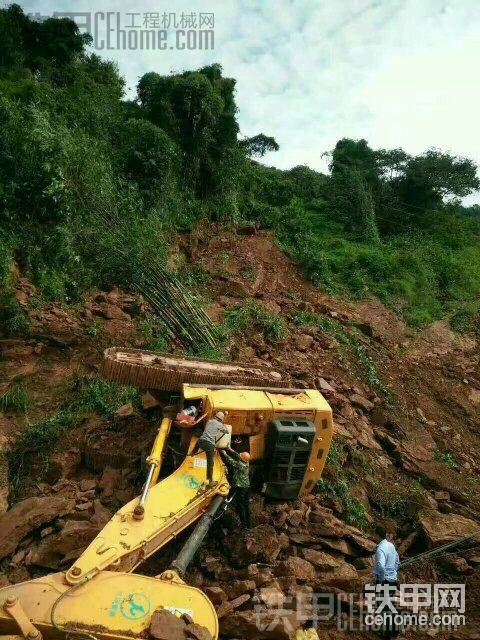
(386, 560)
(385, 571)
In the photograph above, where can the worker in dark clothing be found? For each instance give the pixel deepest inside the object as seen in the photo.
(214, 430)
(239, 466)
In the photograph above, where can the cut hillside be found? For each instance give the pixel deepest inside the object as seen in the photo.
(406, 447)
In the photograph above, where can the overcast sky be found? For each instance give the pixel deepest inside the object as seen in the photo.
(396, 72)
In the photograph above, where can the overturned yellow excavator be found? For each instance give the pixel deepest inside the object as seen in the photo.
(287, 432)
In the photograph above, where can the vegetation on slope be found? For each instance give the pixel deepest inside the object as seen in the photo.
(92, 186)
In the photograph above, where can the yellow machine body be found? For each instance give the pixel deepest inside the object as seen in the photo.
(249, 412)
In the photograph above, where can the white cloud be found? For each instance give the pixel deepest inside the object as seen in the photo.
(396, 72)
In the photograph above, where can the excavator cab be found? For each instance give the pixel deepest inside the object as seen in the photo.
(287, 433)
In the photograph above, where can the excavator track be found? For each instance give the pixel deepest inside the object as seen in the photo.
(148, 370)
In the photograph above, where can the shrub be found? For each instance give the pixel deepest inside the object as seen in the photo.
(354, 508)
(102, 396)
(253, 317)
(447, 458)
(15, 398)
(396, 500)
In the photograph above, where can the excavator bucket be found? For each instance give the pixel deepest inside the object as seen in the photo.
(110, 606)
(147, 370)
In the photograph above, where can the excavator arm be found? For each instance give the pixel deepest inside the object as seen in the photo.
(98, 597)
(169, 506)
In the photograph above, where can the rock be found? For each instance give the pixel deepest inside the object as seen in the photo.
(474, 396)
(303, 342)
(320, 559)
(421, 415)
(459, 565)
(342, 546)
(272, 596)
(107, 311)
(267, 624)
(261, 575)
(297, 568)
(166, 626)
(88, 484)
(124, 412)
(440, 496)
(344, 576)
(110, 480)
(362, 402)
(239, 587)
(63, 465)
(197, 632)
(262, 545)
(84, 506)
(216, 594)
(28, 515)
(149, 402)
(4, 483)
(444, 527)
(69, 543)
(4, 581)
(325, 386)
(227, 607)
(18, 574)
(405, 545)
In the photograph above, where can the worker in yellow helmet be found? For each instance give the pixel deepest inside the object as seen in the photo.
(307, 632)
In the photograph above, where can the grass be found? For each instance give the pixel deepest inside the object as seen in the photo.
(102, 396)
(93, 330)
(397, 501)
(14, 322)
(15, 399)
(40, 438)
(354, 346)
(251, 316)
(354, 508)
(447, 458)
(154, 333)
(337, 483)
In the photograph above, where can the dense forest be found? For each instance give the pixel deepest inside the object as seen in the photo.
(93, 186)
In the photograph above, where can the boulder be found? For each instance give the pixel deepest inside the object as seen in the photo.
(124, 412)
(197, 632)
(110, 481)
(272, 596)
(166, 626)
(149, 402)
(239, 587)
(63, 465)
(303, 342)
(28, 515)
(362, 402)
(320, 559)
(266, 624)
(440, 528)
(69, 543)
(216, 594)
(344, 576)
(263, 545)
(474, 396)
(325, 386)
(297, 568)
